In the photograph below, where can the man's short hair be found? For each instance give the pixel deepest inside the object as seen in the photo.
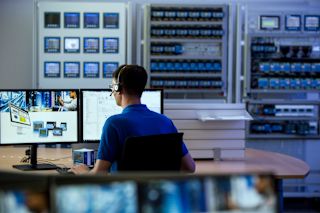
(133, 79)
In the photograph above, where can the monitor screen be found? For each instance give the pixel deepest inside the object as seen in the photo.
(71, 44)
(91, 20)
(52, 20)
(109, 68)
(311, 23)
(52, 69)
(111, 20)
(293, 22)
(51, 44)
(269, 22)
(98, 105)
(110, 45)
(103, 197)
(71, 69)
(37, 116)
(91, 45)
(71, 20)
(91, 70)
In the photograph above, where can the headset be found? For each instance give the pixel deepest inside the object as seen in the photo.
(117, 86)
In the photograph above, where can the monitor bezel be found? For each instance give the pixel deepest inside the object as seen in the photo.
(64, 20)
(310, 29)
(91, 51)
(64, 68)
(86, 26)
(47, 50)
(71, 51)
(106, 90)
(54, 90)
(48, 26)
(269, 16)
(293, 28)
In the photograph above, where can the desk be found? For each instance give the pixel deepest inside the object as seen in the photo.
(283, 166)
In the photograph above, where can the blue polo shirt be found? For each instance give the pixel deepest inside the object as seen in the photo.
(135, 120)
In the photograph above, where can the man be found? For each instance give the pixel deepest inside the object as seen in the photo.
(69, 105)
(135, 120)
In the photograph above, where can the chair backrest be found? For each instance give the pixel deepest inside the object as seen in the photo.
(161, 152)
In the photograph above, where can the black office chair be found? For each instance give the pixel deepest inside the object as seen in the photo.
(152, 153)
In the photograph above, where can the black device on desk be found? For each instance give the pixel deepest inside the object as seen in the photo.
(64, 171)
(23, 114)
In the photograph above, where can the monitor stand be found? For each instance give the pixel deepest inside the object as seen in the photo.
(33, 162)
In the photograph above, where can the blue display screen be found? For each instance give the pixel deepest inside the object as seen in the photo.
(111, 20)
(91, 20)
(52, 69)
(71, 20)
(51, 44)
(312, 23)
(72, 69)
(91, 45)
(109, 68)
(293, 22)
(110, 45)
(91, 69)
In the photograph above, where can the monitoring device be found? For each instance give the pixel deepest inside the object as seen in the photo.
(91, 45)
(109, 68)
(29, 117)
(51, 44)
(52, 20)
(52, 69)
(91, 70)
(71, 44)
(111, 20)
(311, 23)
(71, 69)
(98, 106)
(71, 20)
(91, 20)
(293, 23)
(269, 22)
(110, 45)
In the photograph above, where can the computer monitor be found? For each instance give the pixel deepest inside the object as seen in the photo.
(311, 23)
(71, 69)
(51, 44)
(98, 105)
(71, 44)
(110, 45)
(91, 20)
(52, 69)
(91, 45)
(71, 20)
(111, 20)
(33, 117)
(269, 22)
(52, 20)
(91, 70)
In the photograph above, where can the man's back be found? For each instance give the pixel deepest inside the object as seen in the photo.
(135, 120)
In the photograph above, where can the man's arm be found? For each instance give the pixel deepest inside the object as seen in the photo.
(187, 164)
(101, 166)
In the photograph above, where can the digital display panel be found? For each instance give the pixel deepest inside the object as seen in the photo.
(34, 116)
(91, 20)
(109, 68)
(51, 44)
(71, 69)
(91, 69)
(105, 106)
(293, 22)
(52, 20)
(52, 69)
(312, 23)
(71, 20)
(111, 20)
(71, 45)
(110, 45)
(269, 22)
(91, 45)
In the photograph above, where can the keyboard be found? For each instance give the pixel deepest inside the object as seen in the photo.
(64, 170)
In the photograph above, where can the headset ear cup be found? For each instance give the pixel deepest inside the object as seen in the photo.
(116, 88)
